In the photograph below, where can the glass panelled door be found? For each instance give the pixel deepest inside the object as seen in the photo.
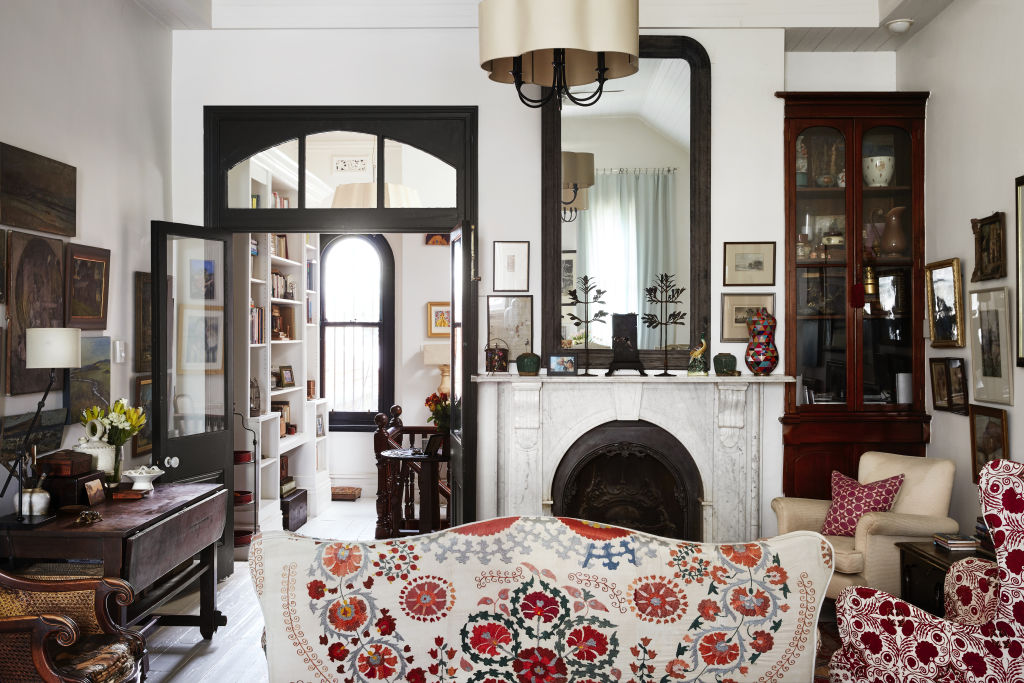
(463, 423)
(887, 267)
(821, 265)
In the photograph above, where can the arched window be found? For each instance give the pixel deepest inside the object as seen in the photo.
(357, 329)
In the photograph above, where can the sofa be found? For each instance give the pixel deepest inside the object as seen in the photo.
(539, 599)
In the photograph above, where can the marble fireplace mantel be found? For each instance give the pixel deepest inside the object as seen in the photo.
(536, 420)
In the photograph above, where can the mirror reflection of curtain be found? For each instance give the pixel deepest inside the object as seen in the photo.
(625, 240)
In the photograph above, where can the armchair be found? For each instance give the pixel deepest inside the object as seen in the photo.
(887, 639)
(870, 557)
(63, 630)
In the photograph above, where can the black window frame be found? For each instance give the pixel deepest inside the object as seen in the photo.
(344, 421)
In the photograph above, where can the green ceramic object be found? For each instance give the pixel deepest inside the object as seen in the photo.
(725, 364)
(528, 364)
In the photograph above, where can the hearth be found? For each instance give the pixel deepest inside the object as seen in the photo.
(632, 474)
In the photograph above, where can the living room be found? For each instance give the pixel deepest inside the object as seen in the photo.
(116, 88)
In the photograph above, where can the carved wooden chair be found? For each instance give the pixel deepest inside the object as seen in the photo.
(64, 630)
(397, 481)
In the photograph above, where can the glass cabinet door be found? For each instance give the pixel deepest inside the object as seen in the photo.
(821, 265)
(886, 263)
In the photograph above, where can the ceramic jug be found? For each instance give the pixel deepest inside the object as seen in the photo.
(761, 356)
(894, 240)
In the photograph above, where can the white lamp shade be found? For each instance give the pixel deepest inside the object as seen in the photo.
(53, 347)
(535, 28)
(577, 169)
(437, 354)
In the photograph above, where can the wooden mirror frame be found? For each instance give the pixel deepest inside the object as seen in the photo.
(699, 288)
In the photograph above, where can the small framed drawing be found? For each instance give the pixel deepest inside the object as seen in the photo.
(988, 436)
(568, 274)
(749, 263)
(94, 492)
(320, 425)
(940, 383)
(989, 247)
(511, 266)
(87, 283)
(439, 319)
(991, 364)
(737, 308)
(287, 376)
(200, 339)
(942, 286)
(562, 364)
(957, 385)
(510, 318)
(143, 441)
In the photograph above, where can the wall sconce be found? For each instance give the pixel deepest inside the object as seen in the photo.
(577, 176)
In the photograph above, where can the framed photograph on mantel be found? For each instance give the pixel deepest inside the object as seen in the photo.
(749, 263)
(991, 363)
(942, 286)
(989, 247)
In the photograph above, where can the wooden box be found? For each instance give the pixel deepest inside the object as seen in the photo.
(293, 509)
(70, 490)
(346, 492)
(65, 463)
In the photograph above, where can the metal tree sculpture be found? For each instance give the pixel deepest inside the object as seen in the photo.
(662, 293)
(587, 285)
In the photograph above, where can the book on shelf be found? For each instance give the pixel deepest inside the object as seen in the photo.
(288, 486)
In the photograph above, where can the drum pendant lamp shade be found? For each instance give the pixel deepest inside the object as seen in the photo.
(533, 29)
(577, 170)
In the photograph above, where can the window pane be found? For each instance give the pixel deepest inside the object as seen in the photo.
(352, 368)
(352, 274)
(416, 179)
(266, 180)
(341, 170)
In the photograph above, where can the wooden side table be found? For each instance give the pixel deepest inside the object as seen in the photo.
(923, 568)
(403, 467)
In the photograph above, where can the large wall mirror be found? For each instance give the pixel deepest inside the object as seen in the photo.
(648, 211)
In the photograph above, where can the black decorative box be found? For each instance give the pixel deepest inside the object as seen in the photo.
(293, 509)
(70, 490)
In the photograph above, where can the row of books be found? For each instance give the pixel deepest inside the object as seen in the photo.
(281, 287)
(287, 486)
(278, 245)
(257, 320)
(310, 312)
(955, 541)
(310, 274)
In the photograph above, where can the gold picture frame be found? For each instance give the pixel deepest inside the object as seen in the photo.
(943, 282)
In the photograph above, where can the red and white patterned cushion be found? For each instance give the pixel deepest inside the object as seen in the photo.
(851, 499)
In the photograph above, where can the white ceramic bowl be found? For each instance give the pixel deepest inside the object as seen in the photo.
(142, 477)
(878, 170)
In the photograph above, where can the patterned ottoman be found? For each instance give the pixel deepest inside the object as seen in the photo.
(540, 599)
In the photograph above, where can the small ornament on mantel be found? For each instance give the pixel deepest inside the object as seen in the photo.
(625, 354)
(586, 284)
(698, 363)
(662, 293)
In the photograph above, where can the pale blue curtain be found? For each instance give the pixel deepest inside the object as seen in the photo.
(625, 239)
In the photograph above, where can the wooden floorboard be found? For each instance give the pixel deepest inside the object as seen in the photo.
(180, 655)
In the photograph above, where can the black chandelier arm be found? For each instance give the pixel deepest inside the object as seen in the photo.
(575, 191)
(569, 214)
(517, 75)
(559, 86)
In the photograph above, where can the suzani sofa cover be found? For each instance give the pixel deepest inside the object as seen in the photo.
(540, 599)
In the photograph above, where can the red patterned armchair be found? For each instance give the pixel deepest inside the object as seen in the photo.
(982, 639)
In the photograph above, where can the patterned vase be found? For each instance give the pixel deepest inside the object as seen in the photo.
(762, 356)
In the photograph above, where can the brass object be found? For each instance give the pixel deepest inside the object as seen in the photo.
(870, 282)
(87, 517)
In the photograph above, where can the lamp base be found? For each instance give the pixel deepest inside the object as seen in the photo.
(28, 521)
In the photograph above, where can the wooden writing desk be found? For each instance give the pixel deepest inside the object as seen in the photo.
(142, 541)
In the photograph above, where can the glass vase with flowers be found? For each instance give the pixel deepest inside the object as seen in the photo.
(118, 424)
(440, 407)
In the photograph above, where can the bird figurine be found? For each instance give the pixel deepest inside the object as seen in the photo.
(698, 364)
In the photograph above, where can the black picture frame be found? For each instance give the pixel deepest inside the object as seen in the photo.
(434, 444)
(87, 286)
(988, 436)
(989, 247)
(938, 371)
(1019, 193)
(562, 364)
(958, 383)
(143, 322)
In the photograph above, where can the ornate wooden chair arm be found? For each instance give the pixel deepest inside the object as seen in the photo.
(38, 628)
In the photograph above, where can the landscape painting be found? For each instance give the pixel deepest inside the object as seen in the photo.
(35, 293)
(46, 436)
(88, 281)
(143, 441)
(89, 385)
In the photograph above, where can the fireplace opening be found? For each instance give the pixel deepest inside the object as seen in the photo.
(632, 474)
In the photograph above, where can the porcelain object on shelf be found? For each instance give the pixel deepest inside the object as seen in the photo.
(35, 502)
(894, 239)
(142, 477)
(103, 454)
(878, 170)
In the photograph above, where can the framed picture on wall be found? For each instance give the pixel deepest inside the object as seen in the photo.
(143, 441)
(143, 322)
(89, 385)
(35, 298)
(87, 281)
(957, 385)
(200, 339)
(989, 247)
(1020, 270)
(439, 318)
(939, 371)
(511, 266)
(988, 436)
(568, 275)
(737, 309)
(991, 360)
(942, 287)
(510, 318)
(749, 263)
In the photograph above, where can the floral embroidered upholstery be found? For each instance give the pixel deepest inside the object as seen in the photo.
(887, 639)
(539, 599)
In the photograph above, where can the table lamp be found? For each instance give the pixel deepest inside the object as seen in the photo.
(441, 356)
(45, 347)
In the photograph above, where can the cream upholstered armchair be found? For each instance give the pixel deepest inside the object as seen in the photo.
(870, 557)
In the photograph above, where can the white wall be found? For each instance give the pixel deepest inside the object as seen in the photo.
(839, 71)
(973, 151)
(88, 84)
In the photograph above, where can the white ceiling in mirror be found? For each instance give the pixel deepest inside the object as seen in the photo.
(659, 93)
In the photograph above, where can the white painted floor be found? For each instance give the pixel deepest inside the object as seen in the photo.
(180, 655)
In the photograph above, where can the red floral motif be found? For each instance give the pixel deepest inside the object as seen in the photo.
(337, 652)
(745, 554)
(539, 665)
(709, 609)
(377, 661)
(386, 624)
(486, 638)
(749, 602)
(539, 605)
(762, 642)
(416, 676)
(587, 644)
(718, 574)
(427, 599)
(715, 649)
(342, 559)
(678, 668)
(657, 601)
(488, 527)
(593, 530)
(317, 589)
(348, 614)
(776, 575)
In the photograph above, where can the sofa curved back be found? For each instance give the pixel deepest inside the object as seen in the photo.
(1001, 487)
(539, 598)
(927, 482)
